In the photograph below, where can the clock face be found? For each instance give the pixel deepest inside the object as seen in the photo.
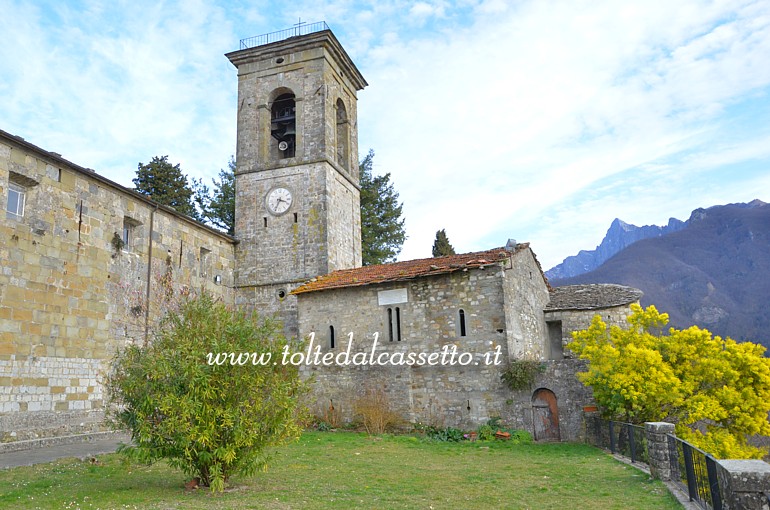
(279, 200)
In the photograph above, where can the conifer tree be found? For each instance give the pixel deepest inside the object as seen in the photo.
(382, 227)
(441, 246)
(217, 205)
(166, 184)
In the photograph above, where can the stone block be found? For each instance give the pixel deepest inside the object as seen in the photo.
(744, 484)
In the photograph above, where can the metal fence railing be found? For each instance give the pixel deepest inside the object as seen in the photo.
(692, 470)
(620, 438)
(300, 28)
(695, 471)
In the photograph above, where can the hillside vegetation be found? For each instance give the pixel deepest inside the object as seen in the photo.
(714, 273)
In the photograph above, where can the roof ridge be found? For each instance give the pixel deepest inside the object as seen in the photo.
(407, 269)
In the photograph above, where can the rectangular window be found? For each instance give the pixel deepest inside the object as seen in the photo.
(131, 235)
(204, 260)
(128, 235)
(16, 197)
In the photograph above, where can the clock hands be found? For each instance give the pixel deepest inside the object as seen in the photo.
(279, 200)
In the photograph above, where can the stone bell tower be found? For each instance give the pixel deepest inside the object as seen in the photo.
(297, 204)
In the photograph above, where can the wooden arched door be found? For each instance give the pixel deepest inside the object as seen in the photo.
(545, 415)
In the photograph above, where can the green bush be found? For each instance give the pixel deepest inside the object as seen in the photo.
(520, 437)
(486, 433)
(323, 426)
(449, 434)
(211, 421)
(521, 373)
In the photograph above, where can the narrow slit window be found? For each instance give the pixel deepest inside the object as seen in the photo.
(264, 221)
(331, 337)
(390, 324)
(295, 217)
(398, 324)
(462, 322)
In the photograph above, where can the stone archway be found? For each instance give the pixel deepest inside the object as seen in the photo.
(545, 415)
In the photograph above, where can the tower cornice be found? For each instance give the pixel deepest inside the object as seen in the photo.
(325, 39)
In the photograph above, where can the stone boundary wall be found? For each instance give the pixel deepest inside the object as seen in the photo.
(70, 295)
(29, 444)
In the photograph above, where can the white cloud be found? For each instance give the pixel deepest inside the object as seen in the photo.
(540, 120)
(108, 96)
(524, 111)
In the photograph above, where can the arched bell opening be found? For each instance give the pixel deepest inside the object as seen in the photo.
(283, 126)
(343, 134)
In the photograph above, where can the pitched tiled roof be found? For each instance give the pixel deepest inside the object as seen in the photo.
(399, 271)
(592, 296)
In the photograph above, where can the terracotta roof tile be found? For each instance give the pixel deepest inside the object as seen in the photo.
(407, 270)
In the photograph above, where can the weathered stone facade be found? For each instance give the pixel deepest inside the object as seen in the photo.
(475, 305)
(321, 230)
(573, 307)
(69, 296)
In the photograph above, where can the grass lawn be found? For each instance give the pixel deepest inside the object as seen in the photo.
(349, 470)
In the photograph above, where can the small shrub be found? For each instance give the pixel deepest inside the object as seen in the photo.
(495, 422)
(323, 426)
(210, 421)
(521, 373)
(373, 408)
(486, 433)
(117, 242)
(520, 437)
(351, 425)
(448, 434)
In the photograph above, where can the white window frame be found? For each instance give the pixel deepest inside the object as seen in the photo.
(128, 235)
(21, 199)
(203, 269)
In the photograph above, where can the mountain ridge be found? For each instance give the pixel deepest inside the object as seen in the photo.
(714, 272)
(619, 236)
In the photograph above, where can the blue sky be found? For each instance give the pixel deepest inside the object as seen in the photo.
(539, 120)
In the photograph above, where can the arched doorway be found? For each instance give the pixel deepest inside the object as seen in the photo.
(545, 415)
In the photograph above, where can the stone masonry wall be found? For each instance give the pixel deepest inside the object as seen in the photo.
(459, 396)
(429, 321)
(69, 298)
(525, 297)
(576, 320)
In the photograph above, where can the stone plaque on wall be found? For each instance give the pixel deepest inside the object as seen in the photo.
(392, 297)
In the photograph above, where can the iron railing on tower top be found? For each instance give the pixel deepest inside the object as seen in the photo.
(298, 29)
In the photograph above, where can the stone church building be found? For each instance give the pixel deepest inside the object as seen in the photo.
(88, 265)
